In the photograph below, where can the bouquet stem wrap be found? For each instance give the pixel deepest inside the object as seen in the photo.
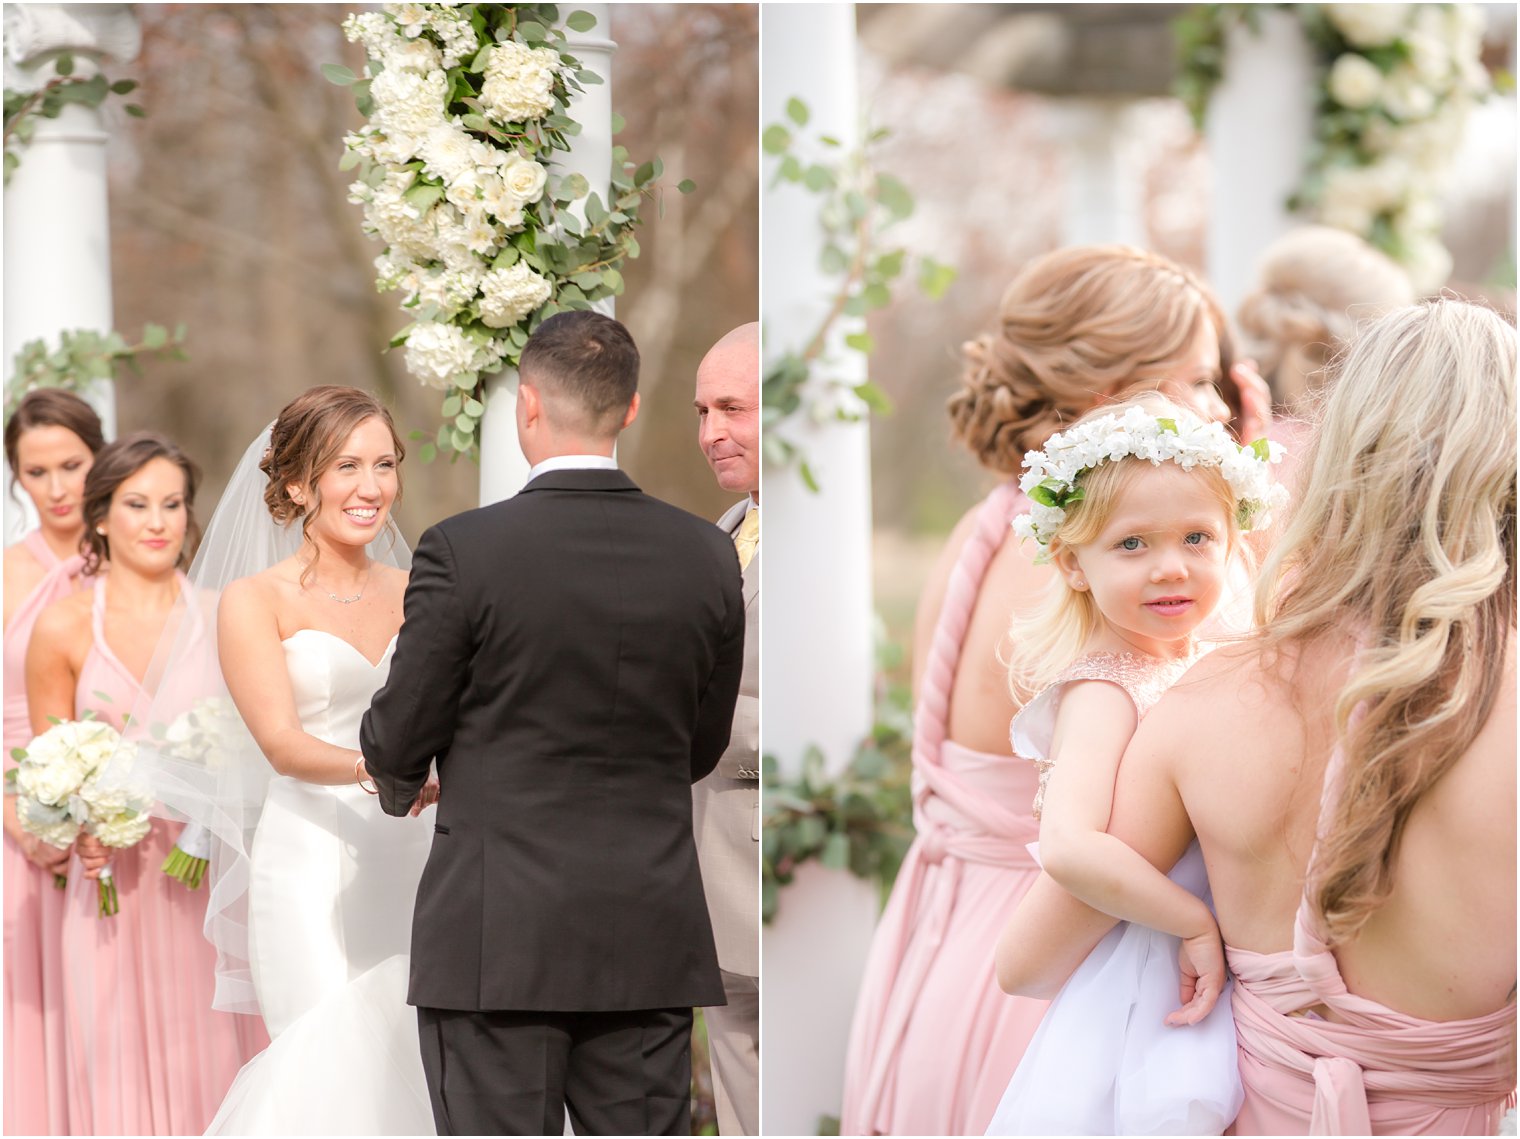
(191, 855)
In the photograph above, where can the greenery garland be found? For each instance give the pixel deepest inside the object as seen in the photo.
(24, 108)
(857, 203)
(84, 358)
(1395, 85)
(860, 820)
(468, 107)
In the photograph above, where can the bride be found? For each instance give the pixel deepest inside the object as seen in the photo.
(312, 884)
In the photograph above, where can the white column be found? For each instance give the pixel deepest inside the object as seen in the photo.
(57, 234)
(1259, 126)
(1103, 192)
(816, 670)
(503, 470)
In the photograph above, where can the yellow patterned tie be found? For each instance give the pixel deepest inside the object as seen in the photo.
(747, 537)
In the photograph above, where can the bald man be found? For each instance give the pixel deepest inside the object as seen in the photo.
(726, 804)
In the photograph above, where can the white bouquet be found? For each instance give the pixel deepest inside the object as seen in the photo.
(63, 786)
(199, 737)
(116, 813)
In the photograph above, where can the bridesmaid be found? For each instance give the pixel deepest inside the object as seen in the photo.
(145, 1053)
(50, 443)
(934, 1041)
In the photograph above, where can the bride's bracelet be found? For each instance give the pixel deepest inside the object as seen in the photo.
(359, 778)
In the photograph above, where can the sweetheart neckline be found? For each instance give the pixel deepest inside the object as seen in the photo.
(358, 652)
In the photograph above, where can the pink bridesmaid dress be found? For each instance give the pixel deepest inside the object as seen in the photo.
(35, 1099)
(1372, 1070)
(146, 1053)
(934, 1040)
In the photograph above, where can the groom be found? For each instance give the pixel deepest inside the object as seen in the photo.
(571, 658)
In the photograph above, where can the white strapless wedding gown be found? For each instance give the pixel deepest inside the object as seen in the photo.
(333, 882)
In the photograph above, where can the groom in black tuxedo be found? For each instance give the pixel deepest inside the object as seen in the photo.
(570, 658)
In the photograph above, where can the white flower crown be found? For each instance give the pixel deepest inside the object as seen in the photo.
(1051, 476)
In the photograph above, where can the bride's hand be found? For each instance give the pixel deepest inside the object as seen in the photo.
(1201, 961)
(1255, 401)
(426, 797)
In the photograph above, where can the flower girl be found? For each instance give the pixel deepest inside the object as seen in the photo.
(1140, 508)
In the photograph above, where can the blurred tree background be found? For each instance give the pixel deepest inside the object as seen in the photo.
(229, 213)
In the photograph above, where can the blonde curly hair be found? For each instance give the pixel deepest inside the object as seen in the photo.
(1075, 325)
(1404, 535)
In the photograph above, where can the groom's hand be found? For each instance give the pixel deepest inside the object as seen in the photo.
(426, 797)
(1201, 961)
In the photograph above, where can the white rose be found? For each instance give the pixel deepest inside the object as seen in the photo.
(482, 235)
(1406, 96)
(1355, 81)
(524, 178)
(508, 295)
(412, 19)
(122, 830)
(519, 82)
(1369, 25)
(437, 353)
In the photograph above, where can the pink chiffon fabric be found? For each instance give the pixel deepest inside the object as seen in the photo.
(146, 1053)
(934, 1040)
(1372, 1070)
(35, 1099)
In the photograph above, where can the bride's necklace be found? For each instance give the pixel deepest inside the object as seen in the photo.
(355, 597)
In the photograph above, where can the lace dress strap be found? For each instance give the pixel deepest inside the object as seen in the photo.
(1144, 679)
(997, 511)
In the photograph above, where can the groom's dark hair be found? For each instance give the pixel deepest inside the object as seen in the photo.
(587, 368)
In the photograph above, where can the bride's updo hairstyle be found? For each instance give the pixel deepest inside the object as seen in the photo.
(305, 440)
(114, 464)
(1075, 325)
(1314, 285)
(1404, 539)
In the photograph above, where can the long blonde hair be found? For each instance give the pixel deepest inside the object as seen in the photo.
(1404, 535)
(1075, 325)
(1056, 632)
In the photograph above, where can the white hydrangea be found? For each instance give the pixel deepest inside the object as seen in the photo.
(508, 295)
(408, 104)
(55, 826)
(452, 26)
(110, 790)
(447, 152)
(126, 829)
(1406, 95)
(438, 353)
(372, 30)
(1355, 81)
(519, 82)
(1184, 439)
(420, 56)
(1369, 25)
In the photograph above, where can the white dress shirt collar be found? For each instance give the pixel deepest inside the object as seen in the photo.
(573, 463)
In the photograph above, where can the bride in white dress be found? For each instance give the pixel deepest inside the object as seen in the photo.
(312, 884)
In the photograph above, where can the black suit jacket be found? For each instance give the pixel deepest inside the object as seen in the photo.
(571, 658)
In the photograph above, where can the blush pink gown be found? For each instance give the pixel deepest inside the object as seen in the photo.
(934, 1040)
(35, 1100)
(1373, 1070)
(146, 1054)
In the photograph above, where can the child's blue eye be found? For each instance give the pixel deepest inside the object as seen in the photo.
(1130, 544)
(1196, 538)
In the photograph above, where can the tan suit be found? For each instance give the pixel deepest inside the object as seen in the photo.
(726, 816)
